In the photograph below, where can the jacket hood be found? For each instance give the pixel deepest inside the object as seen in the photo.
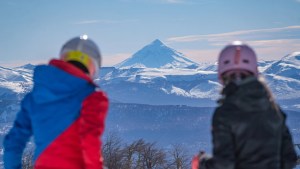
(54, 84)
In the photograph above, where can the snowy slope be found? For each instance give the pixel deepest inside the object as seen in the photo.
(157, 55)
(288, 66)
(14, 83)
(283, 77)
(183, 86)
(174, 83)
(161, 86)
(263, 65)
(196, 87)
(13, 75)
(167, 86)
(17, 74)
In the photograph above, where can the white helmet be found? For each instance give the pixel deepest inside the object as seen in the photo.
(83, 50)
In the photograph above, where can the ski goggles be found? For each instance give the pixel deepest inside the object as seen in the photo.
(82, 58)
(79, 57)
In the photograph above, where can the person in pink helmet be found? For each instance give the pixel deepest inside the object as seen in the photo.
(248, 127)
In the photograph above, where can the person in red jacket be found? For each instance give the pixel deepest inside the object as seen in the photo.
(65, 112)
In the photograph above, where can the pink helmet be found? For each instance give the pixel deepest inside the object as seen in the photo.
(237, 56)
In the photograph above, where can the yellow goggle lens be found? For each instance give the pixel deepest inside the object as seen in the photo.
(78, 56)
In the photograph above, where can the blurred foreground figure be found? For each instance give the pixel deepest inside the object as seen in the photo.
(248, 127)
(65, 112)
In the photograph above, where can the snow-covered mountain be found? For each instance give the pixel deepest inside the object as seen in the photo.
(288, 66)
(195, 87)
(173, 81)
(161, 86)
(170, 80)
(283, 77)
(157, 55)
(15, 82)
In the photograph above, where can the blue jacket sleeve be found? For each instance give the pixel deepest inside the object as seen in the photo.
(15, 141)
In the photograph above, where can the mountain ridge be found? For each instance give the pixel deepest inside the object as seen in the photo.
(178, 85)
(157, 55)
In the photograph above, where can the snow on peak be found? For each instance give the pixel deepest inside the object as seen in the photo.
(292, 58)
(157, 42)
(157, 55)
(288, 66)
(27, 66)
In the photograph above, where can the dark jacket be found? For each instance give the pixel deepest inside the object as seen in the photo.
(249, 131)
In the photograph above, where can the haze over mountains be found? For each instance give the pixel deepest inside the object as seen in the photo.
(189, 83)
(159, 75)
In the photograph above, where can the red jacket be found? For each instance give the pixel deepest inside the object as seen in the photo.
(79, 147)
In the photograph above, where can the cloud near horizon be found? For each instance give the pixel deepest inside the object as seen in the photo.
(166, 1)
(290, 32)
(174, 1)
(265, 50)
(269, 44)
(103, 22)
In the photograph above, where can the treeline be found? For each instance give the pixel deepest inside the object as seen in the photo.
(139, 154)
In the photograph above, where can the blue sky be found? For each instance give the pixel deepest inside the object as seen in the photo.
(33, 31)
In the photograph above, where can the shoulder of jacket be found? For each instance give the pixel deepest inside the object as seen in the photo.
(97, 95)
(26, 101)
(226, 106)
(226, 112)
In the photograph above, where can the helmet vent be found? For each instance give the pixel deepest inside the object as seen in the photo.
(246, 61)
(226, 62)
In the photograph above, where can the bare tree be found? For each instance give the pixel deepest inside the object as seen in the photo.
(112, 152)
(142, 155)
(178, 158)
(153, 157)
(132, 155)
